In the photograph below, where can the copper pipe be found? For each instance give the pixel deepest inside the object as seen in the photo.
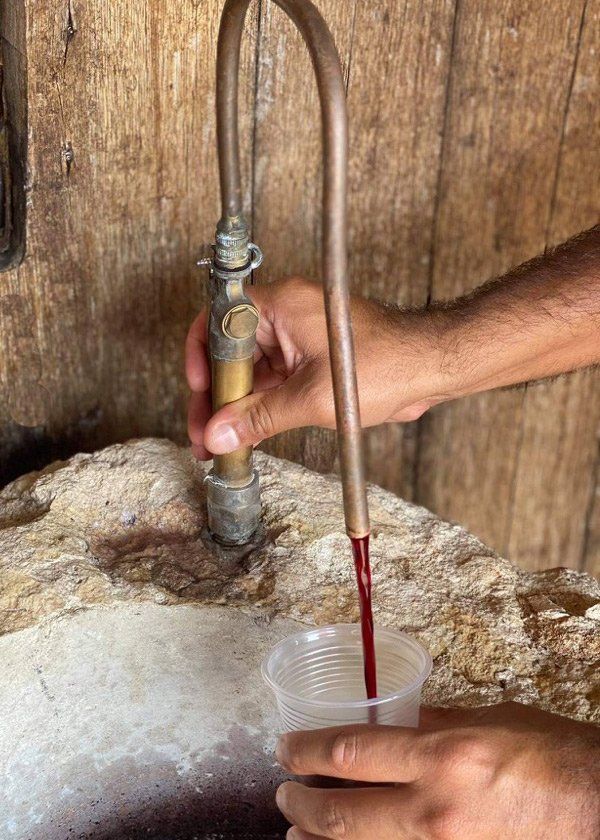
(332, 97)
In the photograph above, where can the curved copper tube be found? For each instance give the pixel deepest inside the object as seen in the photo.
(332, 97)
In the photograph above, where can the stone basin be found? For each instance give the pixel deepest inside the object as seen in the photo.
(131, 703)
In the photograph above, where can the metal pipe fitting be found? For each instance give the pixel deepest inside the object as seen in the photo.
(233, 253)
(232, 487)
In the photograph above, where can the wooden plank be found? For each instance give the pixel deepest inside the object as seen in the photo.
(124, 191)
(509, 86)
(591, 544)
(286, 214)
(555, 472)
(15, 315)
(556, 469)
(401, 55)
(13, 132)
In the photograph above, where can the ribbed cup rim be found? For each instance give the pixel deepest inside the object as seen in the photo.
(331, 630)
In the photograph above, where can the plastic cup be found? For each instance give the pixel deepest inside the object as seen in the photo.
(318, 679)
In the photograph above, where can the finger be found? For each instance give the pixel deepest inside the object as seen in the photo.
(196, 356)
(256, 417)
(199, 411)
(200, 407)
(362, 753)
(196, 347)
(263, 299)
(358, 814)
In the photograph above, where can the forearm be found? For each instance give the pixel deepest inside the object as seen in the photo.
(539, 320)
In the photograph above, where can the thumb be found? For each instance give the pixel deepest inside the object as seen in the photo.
(256, 417)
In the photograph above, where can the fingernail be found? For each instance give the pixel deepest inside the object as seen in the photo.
(225, 439)
(198, 452)
(280, 796)
(281, 750)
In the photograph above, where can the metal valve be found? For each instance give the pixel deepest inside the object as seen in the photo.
(233, 497)
(236, 256)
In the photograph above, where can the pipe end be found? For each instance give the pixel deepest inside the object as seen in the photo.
(233, 512)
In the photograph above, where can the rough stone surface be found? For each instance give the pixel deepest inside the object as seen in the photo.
(123, 724)
(108, 582)
(126, 524)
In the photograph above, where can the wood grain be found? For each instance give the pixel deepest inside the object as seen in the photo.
(555, 471)
(401, 55)
(509, 87)
(392, 176)
(474, 144)
(123, 192)
(591, 543)
(286, 214)
(13, 133)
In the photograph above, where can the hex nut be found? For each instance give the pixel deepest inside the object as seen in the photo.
(241, 321)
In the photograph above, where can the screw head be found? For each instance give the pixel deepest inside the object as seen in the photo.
(241, 321)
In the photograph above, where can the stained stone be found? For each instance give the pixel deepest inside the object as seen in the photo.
(131, 644)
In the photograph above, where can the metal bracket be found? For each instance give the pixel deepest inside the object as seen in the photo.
(232, 273)
(257, 255)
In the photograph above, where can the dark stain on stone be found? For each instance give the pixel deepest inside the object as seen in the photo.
(229, 793)
(575, 603)
(184, 561)
(236, 558)
(142, 540)
(46, 691)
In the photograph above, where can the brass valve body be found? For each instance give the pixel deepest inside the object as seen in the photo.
(233, 497)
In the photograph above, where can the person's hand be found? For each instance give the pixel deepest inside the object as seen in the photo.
(505, 772)
(395, 368)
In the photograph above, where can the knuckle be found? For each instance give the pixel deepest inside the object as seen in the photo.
(260, 421)
(466, 754)
(335, 823)
(344, 752)
(294, 283)
(293, 759)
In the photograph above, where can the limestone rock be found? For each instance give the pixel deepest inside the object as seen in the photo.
(131, 704)
(127, 524)
(139, 724)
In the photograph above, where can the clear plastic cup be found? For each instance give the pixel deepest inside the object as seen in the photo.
(318, 679)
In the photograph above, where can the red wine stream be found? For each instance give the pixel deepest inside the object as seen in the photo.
(360, 552)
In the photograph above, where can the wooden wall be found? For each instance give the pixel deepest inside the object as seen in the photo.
(475, 144)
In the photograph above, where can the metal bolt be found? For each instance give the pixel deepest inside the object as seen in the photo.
(241, 321)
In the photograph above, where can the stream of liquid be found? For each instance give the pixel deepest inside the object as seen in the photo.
(360, 552)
